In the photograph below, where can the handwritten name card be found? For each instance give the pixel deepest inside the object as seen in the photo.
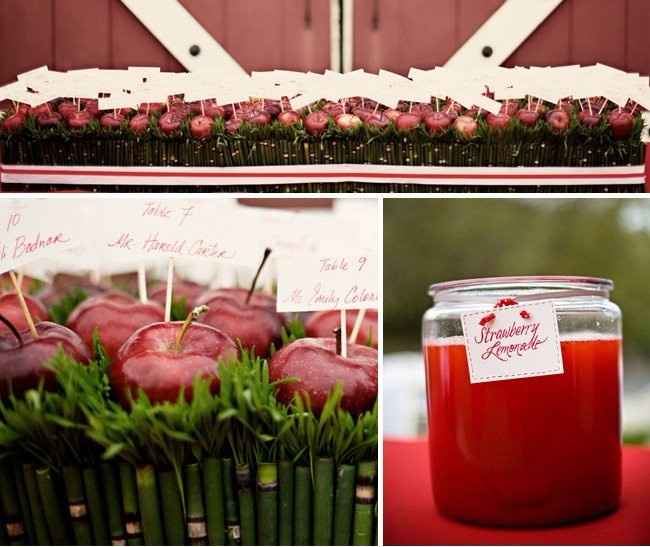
(326, 282)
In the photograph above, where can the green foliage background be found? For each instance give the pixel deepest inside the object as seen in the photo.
(431, 240)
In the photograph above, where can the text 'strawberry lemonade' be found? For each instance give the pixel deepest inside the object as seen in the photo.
(526, 432)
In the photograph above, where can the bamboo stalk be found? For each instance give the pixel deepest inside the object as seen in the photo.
(130, 505)
(302, 506)
(149, 505)
(230, 504)
(267, 504)
(95, 500)
(197, 531)
(344, 504)
(77, 505)
(24, 504)
(214, 503)
(246, 503)
(56, 521)
(364, 503)
(111, 492)
(172, 508)
(323, 501)
(13, 522)
(36, 506)
(285, 535)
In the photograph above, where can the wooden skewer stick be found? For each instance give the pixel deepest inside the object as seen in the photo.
(169, 293)
(142, 284)
(357, 326)
(344, 335)
(23, 304)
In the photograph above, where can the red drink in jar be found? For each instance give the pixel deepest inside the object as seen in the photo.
(532, 451)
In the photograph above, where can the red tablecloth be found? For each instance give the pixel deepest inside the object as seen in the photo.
(411, 518)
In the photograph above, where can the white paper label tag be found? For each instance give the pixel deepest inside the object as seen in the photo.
(327, 282)
(521, 341)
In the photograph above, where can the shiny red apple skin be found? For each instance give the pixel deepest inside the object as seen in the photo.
(622, 124)
(233, 125)
(13, 123)
(237, 294)
(498, 122)
(438, 122)
(37, 110)
(255, 325)
(49, 119)
(112, 121)
(466, 126)
(316, 123)
(139, 123)
(151, 108)
(558, 121)
(169, 122)
(92, 107)
(10, 308)
(392, 114)
(66, 108)
(289, 118)
(318, 368)
(149, 361)
(510, 108)
(588, 119)
(259, 118)
(201, 127)
(115, 316)
(529, 118)
(321, 324)
(79, 119)
(378, 121)
(407, 121)
(22, 368)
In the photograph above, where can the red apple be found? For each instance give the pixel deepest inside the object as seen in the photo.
(316, 123)
(622, 124)
(588, 119)
(466, 126)
(10, 308)
(407, 121)
(201, 127)
(498, 122)
(23, 358)
(111, 120)
(438, 122)
(318, 368)
(509, 107)
(13, 123)
(79, 119)
(321, 324)
(348, 121)
(392, 114)
(558, 121)
(169, 122)
(49, 119)
(151, 361)
(115, 316)
(422, 110)
(333, 109)
(139, 123)
(378, 120)
(289, 118)
(66, 108)
(207, 108)
(529, 118)
(151, 108)
(233, 125)
(259, 117)
(43, 108)
(92, 107)
(364, 114)
(256, 324)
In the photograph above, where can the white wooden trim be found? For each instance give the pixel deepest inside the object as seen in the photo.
(335, 36)
(177, 30)
(504, 32)
(348, 34)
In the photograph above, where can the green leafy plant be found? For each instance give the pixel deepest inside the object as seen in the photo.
(61, 310)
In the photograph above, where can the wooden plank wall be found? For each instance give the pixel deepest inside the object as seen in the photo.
(424, 33)
(295, 34)
(65, 34)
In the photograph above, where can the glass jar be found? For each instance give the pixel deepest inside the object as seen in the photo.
(533, 451)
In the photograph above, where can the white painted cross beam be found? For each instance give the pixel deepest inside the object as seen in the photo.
(183, 36)
(503, 33)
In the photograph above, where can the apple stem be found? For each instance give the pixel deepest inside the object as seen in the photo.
(337, 334)
(357, 326)
(265, 257)
(13, 330)
(23, 304)
(191, 317)
(142, 283)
